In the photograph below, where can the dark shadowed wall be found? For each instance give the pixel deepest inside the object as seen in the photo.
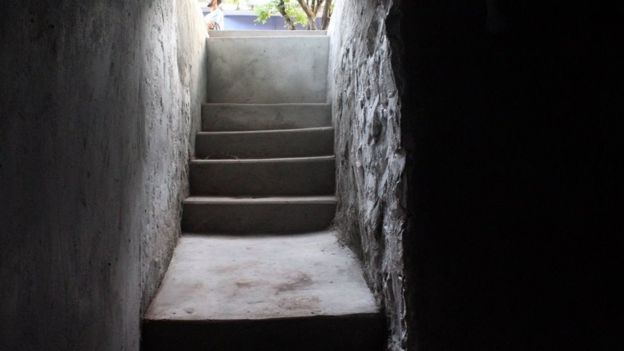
(98, 100)
(512, 122)
(510, 117)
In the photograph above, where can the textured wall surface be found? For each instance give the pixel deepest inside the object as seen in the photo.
(370, 160)
(98, 102)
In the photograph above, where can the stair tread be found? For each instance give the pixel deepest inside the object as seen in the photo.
(265, 160)
(213, 278)
(266, 131)
(265, 104)
(246, 36)
(259, 200)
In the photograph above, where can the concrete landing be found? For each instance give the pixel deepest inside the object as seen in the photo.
(234, 278)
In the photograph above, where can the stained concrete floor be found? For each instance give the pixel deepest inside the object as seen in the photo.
(247, 278)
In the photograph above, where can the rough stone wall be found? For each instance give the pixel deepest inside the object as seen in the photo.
(370, 160)
(98, 103)
(509, 117)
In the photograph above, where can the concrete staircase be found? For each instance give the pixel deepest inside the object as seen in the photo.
(258, 268)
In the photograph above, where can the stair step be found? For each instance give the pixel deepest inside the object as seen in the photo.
(278, 293)
(241, 117)
(266, 143)
(267, 69)
(264, 177)
(257, 215)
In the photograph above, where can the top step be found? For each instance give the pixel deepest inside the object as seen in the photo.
(266, 33)
(267, 70)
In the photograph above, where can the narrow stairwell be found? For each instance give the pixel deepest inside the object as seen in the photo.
(257, 267)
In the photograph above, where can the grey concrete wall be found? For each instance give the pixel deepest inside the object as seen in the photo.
(369, 155)
(98, 102)
(269, 69)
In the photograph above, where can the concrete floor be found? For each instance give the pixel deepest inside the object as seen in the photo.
(242, 278)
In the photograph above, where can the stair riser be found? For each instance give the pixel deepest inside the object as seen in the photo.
(256, 218)
(263, 178)
(237, 117)
(349, 333)
(266, 145)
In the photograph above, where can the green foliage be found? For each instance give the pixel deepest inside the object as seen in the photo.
(293, 10)
(263, 13)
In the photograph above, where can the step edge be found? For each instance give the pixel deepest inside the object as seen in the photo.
(279, 236)
(264, 200)
(266, 131)
(269, 104)
(304, 159)
(264, 37)
(368, 314)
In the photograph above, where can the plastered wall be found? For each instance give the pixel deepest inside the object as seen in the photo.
(99, 100)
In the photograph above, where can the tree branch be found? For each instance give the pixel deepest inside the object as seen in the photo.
(318, 7)
(309, 14)
(281, 7)
(327, 14)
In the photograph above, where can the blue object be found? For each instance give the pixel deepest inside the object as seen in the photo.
(246, 20)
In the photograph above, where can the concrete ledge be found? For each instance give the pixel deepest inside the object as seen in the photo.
(266, 33)
(257, 216)
(238, 117)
